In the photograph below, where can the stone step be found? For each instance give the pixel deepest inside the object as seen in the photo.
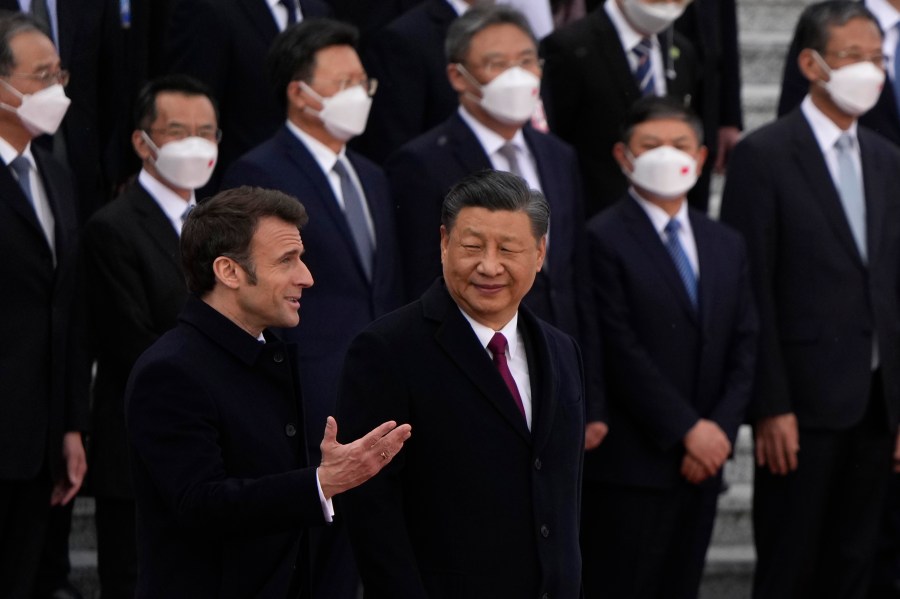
(728, 573)
(762, 56)
(734, 522)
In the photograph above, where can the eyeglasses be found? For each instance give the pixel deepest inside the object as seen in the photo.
(854, 56)
(370, 84)
(496, 66)
(178, 132)
(45, 78)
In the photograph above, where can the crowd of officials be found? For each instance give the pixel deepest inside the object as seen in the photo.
(499, 295)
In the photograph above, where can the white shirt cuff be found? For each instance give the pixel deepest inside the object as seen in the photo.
(327, 504)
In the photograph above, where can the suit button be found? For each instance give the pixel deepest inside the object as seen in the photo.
(545, 532)
(278, 358)
(290, 430)
(537, 464)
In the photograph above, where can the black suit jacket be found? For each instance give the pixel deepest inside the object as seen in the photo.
(667, 365)
(475, 505)
(40, 402)
(341, 302)
(224, 44)
(414, 93)
(819, 303)
(134, 289)
(223, 488)
(588, 87)
(422, 172)
(883, 118)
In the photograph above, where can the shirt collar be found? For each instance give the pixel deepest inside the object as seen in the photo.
(659, 217)
(323, 155)
(628, 36)
(485, 333)
(274, 3)
(459, 6)
(9, 153)
(489, 139)
(823, 128)
(172, 204)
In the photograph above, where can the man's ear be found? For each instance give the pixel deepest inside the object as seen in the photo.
(140, 145)
(226, 271)
(811, 66)
(620, 153)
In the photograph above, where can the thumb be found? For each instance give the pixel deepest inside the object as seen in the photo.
(331, 429)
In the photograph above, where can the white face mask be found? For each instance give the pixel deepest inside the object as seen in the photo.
(42, 111)
(187, 163)
(511, 97)
(855, 88)
(664, 171)
(652, 18)
(345, 113)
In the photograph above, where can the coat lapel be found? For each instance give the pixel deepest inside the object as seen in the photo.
(466, 148)
(808, 156)
(873, 184)
(610, 47)
(158, 226)
(259, 15)
(456, 338)
(707, 282)
(542, 370)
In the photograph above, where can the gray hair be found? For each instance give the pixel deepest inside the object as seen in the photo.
(11, 25)
(497, 190)
(813, 28)
(477, 19)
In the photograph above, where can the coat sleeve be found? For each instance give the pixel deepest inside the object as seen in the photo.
(372, 392)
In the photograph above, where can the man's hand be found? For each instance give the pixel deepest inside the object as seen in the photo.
(897, 453)
(346, 466)
(693, 470)
(594, 433)
(707, 444)
(76, 466)
(728, 138)
(777, 443)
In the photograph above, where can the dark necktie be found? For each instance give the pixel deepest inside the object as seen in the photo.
(22, 169)
(291, 7)
(356, 218)
(508, 151)
(679, 257)
(643, 73)
(497, 347)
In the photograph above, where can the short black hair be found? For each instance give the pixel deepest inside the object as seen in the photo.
(816, 21)
(651, 108)
(224, 225)
(11, 25)
(145, 104)
(292, 56)
(476, 20)
(496, 190)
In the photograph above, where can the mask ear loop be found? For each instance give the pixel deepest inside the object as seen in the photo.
(15, 92)
(462, 70)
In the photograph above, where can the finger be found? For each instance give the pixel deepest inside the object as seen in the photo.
(394, 440)
(70, 494)
(760, 450)
(330, 435)
(720, 161)
(792, 461)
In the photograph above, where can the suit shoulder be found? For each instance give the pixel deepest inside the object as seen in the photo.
(877, 145)
(571, 35)
(722, 234)
(609, 220)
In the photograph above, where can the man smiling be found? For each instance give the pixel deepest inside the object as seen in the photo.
(487, 503)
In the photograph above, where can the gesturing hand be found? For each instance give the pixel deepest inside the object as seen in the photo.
(346, 466)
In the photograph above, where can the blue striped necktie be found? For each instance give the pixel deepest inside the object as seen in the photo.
(679, 257)
(643, 73)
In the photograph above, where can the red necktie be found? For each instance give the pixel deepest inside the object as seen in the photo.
(497, 347)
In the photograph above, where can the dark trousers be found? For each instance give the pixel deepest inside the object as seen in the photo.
(639, 543)
(333, 567)
(54, 569)
(24, 510)
(116, 547)
(816, 528)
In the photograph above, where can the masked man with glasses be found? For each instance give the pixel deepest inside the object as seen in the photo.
(41, 416)
(815, 195)
(133, 288)
(318, 78)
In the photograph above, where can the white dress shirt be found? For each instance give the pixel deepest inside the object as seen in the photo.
(460, 6)
(516, 357)
(25, 6)
(41, 205)
(630, 38)
(827, 134)
(492, 141)
(280, 13)
(660, 218)
(172, 204)
(326, 159)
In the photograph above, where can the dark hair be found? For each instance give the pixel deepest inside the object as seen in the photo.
(651, 108)
(11, 25)
(292, 56)
(145, 105)
(496, 190)
(475, 20)
(816, 21)
(224, 225)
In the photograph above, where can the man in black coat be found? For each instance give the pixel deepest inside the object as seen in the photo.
(134, 289)
(486, 504)
(224, 490)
